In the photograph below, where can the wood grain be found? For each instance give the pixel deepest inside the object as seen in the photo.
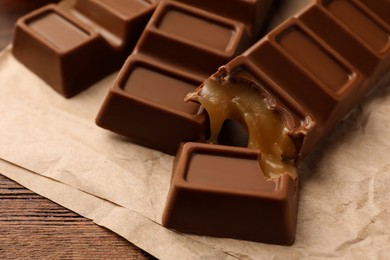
(33, 227)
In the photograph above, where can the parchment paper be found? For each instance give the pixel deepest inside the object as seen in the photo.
(52, 146)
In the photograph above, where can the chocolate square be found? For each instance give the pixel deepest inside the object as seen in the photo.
(190, 40)
(64, 48)
(221, 191)
(146, 104)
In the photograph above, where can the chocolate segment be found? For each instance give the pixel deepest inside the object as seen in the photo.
(338, 37)
(190, 40)
(221, 191)
(58, 47)
(148, 97)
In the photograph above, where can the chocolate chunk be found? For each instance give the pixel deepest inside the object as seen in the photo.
(58, 47)
(221, 191)
(146, 105)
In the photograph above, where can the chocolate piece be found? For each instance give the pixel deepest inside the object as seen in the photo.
(320, 81)
(146, 104)
(211, 42)
(221, 191)
(58, 48)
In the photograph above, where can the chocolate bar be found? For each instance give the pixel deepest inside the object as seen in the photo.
(181, 43)
(287, 91)
(72, 49)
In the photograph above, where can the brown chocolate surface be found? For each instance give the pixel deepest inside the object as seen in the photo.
(148, 83)
(361, 24)
(207, 33)
(58, 31)
(213, 170)
(60, 59)
(148, 94)
(310, 55)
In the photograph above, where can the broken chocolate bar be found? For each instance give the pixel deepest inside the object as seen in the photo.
(287, 91)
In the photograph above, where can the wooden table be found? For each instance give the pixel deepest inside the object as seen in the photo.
(33, 227)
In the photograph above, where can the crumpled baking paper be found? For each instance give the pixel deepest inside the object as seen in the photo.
(52, 146)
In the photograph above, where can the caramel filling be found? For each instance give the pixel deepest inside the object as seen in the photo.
(223, 100)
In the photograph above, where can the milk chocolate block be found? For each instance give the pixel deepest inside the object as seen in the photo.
(60, 49)
(146, 104)
(120, 22)
(221, 191)
(191, 40)
(251, 13)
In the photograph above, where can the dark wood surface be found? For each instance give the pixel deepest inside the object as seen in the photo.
(33, 227)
